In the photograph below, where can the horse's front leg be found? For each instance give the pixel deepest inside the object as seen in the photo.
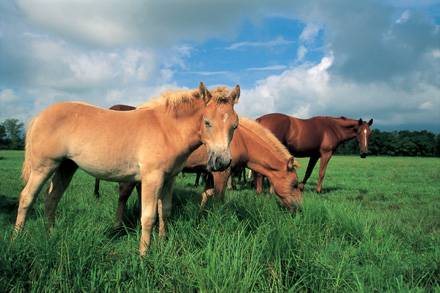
(165, 204)
(218, 189)
(310, 166)
(152, 183)
(258, 182)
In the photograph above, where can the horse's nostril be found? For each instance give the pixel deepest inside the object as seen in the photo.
(217, 162)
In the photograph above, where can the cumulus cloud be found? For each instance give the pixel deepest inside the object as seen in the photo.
(379, 60)
(311, 89)
(116, 23)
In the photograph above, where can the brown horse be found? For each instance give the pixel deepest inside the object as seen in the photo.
(317, 138)
(162, 135)
(252, 146)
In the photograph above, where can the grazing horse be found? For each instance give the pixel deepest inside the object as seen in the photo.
(317, 138)
(162, 135)
(252, 146)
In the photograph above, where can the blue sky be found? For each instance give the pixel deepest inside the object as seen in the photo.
(369, 59)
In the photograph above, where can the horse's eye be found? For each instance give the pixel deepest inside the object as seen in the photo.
(208, 123)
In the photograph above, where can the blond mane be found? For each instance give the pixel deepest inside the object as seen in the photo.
(265, 135)
(183, 97)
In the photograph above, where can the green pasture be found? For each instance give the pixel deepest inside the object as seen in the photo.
(376, 227)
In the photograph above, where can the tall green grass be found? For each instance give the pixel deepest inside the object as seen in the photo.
(376, 227)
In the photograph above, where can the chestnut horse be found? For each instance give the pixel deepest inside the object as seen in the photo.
(317, 138)
(252, 146)
(256, 148)
(162, 135)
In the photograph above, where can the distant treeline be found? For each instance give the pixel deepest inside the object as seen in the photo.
(395, 143)
(11, 135)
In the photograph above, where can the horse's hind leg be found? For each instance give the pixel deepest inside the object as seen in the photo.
(60, 180)
(125, 190)
(325, 158)
(165, 204)
(33, 186)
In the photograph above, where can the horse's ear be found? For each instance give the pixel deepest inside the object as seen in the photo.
(204, 93)
(234, 96)
(292, 164)
(370, 122)
(360, 121)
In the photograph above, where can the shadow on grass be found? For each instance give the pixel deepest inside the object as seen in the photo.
(8, 206)
(325, 189)
(131, 220)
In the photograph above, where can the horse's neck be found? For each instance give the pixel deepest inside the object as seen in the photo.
(262, 156)
(186, 128)
(345, 129)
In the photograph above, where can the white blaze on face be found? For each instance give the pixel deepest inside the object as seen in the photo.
(365, 138)
(225, 117)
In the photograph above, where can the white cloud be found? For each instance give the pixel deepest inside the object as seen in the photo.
(7, 95)
(107, 51)
(267, 68)
(309, 33)
(118, 23)
(404, 17)
(301, 53)
(425, 105)
(208, 73)
(311, 89)
(436, 53)
(279, 41)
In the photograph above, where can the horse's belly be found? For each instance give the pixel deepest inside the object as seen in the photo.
(110, 170)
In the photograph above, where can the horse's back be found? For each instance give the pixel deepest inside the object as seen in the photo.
(98, 139)
(278, 124)
(303, 137)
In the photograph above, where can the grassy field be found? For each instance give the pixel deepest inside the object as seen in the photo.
(375, 228)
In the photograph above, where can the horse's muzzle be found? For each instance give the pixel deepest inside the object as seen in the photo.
(363, 155)
(218, 162)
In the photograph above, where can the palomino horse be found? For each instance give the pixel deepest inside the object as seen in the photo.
(252, 146)
(118, 107)
(317, 138)
(162, 135)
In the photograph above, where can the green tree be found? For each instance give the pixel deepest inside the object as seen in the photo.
(14, 133)
(3, 137)
(437, 145)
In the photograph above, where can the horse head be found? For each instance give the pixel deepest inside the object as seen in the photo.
(363, 134)
(218, 125)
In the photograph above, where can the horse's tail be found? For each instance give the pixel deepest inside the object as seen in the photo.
(26, 169)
